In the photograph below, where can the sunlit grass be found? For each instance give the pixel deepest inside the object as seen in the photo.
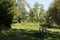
(54, 30)
(30, 33)
(29, 26)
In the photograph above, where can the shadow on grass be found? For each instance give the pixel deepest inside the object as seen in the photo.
(21, 34)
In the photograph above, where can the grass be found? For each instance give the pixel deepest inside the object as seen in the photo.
(29, 26)
(54, 30)
(23, 34)
(28, 31)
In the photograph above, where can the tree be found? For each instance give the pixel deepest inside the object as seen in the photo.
(36, 9)
(43, 21)
(7, 12)
(54, 12)
(34, 12)
(22, 9)
(31, 15)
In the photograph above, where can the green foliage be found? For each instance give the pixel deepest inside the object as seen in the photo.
(31, 15)
(8, 11)
(34, 12)
(16, 14)
(42, 16)
(54, 12)
(23, 11)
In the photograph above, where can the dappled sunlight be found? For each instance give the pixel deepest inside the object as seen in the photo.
(23, 34)
(29, 20)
